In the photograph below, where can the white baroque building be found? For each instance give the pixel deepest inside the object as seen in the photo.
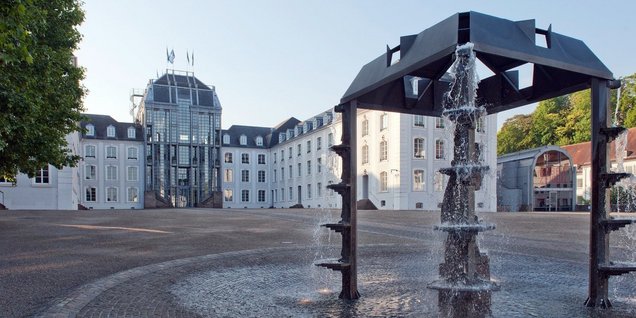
(399, 157)
(112, 164)
(49, 189)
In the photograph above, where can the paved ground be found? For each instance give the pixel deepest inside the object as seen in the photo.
(58, 263)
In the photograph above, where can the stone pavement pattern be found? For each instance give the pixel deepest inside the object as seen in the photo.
(61, 263)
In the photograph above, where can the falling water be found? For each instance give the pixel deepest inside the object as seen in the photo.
(464, 286)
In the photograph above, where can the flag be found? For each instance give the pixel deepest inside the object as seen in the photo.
(192, 58)
(171, 57)
(167, 55)
(188, 56)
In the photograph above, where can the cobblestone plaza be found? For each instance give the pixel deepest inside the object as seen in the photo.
(203, 262)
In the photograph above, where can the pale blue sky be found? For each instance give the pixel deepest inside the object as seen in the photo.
(270, 60)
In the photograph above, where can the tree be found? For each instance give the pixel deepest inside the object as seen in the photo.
(627, 102)
(576, 126)
(40, 90)
(515, 135)
(546, 119)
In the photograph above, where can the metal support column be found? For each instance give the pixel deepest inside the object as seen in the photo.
(601, 224)
(347, 188)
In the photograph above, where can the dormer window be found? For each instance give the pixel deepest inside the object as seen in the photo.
(110, 131)
(281, 137)
(131, 132)
(243, 140)
(259, 141)
(90, 130)
(226, 139)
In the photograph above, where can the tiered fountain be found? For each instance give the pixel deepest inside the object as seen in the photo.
(464, 286)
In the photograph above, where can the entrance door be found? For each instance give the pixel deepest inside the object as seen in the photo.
(300, 195)
(365, 186)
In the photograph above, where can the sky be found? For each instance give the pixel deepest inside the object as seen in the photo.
(271, 60)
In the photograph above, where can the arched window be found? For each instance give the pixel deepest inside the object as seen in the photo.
(131, 132)
(243, 140)
(383, 181)
(418, 180)
(365, 127)
(365, 154)
(226, 139)
(384, 121)
(418, 148)
(110, 131)
(440, 152)
(90, 130)
(383, 150)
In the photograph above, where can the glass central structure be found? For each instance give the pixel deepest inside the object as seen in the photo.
(182, 124)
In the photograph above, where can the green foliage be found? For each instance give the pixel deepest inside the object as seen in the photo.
(515, 134)
(564, 120)
(40, 90)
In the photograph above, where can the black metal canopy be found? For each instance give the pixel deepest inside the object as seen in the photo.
(563, 66)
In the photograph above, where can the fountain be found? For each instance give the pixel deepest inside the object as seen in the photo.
(465, 286)
(415, 83)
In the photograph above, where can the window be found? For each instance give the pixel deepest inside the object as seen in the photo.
(261, 195)
(290, 171)
(245, 158)
(291, 194)
(309, 191)
(365, 127)
(42, 176)
(384, 121)
(261, 158)
(228, 195)
(299, 170)
(111, 194)
(111, 152)
(439, 123)
(228, 175)
(245, 195)
(330, 140)
(418, 180)
(439, 149)
(480, 126)
(131, 132)
(299, 146)
(131, 174)
(90, 130)
(282, 173)
(91, 194)
(579, 182)
(319, 165)
(243, 140)
(90, 172)
(245, 175)
(308, 146)
(261, 175)
(275, 176)
(282, 194)
(133, 195)
(383, 150)
(111, 172)
(438, 182)
(90, 151)
(226, 139)
(318, 143)
(309, 167)
(132, 153)
(383, 181)
(228, 157)
(110, 131)
(418, 121)
(282, 155)
(290, 152)
(319, 189)
(259, 141)
(365, 154)
(418, 148)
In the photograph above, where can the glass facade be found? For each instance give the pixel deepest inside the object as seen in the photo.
(182, 125)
